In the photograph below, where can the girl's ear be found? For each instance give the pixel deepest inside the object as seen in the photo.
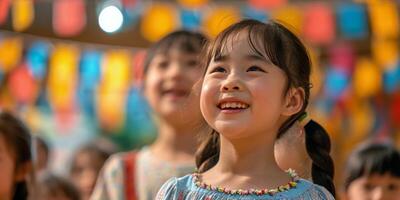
(23, 170)
(294, 101)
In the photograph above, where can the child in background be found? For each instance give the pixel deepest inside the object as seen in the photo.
(256, 85)
(56, 188)
(171, 69)
(15, 158)
(86, 165)
(373, 173)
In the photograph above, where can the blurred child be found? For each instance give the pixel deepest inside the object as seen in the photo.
(373, 173)
(256, 85)
(171, 69)
(86, 165)
(15, 158)
(56, 188)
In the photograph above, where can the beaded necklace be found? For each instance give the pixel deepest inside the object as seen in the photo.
(293, 175)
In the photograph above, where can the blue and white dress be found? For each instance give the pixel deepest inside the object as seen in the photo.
(184, 188)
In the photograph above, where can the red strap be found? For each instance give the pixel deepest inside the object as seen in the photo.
(130, 164)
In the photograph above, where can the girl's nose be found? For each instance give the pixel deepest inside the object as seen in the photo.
(232, 83)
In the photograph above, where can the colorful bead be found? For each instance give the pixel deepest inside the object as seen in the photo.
(271, 192)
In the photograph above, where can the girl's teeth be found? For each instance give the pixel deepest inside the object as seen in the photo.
(233, 105)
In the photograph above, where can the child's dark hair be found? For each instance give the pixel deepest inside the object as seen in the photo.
(282, 48)
(372, 158)
(18, 139)
(51, 185)
(182, 40)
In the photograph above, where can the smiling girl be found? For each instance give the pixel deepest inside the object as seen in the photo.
(256, 85)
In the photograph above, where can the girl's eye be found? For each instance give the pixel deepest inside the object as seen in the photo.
(218, 69)
(163, 64)
(255, 68)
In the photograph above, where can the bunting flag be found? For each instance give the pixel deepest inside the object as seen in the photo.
(4, 8)
(23, 14)
(385, 52)
(69, 17)
(292, 17)
(321, 16)
(220, 18)
(352, 20)
(10, 53)
(157, 21)
(63, 77)
(384, 19)
(367, 78)
(113, 89)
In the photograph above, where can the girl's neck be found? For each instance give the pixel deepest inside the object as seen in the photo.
(247, 156)
(175, 144)
(248, 163)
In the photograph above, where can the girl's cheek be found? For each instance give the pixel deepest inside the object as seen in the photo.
(206, 99)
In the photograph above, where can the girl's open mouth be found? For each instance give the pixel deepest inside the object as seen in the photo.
(233, 106)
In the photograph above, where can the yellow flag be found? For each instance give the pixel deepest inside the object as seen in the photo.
(367, 79)
(10, 53)
(23, 14)
(219, 19)
(291, 16)
(114, 89)
(158, 21)
(386, 52)
(193, 3)
(63, 74)
(384, 19)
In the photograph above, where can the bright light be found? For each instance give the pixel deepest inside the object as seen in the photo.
(110, 19)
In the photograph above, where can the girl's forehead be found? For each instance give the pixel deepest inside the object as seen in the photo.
(240, 44)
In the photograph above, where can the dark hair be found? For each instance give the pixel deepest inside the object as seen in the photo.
(285, 50)
(372, 158)
(18, 140)
(182, 40)
(51, 185)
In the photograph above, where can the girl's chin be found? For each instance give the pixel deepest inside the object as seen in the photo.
(232, 132)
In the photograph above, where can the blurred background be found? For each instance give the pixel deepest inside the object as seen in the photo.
(72, 69)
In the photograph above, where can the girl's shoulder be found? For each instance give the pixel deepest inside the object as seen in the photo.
(305, 189)
(185, 188)
(176, 187)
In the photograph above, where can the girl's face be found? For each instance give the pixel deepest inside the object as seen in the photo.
(169, 82)
(7, 166)
(374, 187)
(242, 92)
